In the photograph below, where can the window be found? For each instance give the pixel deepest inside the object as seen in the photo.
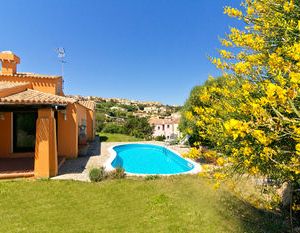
(24, 131)
(163, 127)
(158, 127)
(168, 126)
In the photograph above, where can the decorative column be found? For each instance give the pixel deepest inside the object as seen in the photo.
(45, 162)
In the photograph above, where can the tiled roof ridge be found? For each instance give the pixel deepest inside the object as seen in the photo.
(5, 85)
(36, 97)
(87, 104)
(33, 75)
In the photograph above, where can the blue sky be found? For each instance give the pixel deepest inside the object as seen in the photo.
(153, 50)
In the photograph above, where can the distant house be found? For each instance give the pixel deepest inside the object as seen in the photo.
(162, 109)
(140, 113)
(167, 127)
(37, 121)
(152, 109)
(118, 108)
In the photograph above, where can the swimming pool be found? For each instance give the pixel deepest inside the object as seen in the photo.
(149, 159)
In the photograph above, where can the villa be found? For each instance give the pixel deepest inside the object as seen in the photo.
(39, 125)
(167, 127)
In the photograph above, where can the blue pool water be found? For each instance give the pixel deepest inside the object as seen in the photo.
(149, 159)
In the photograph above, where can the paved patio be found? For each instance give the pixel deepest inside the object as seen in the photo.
(96, 154)
(16, 165)
(19, 167)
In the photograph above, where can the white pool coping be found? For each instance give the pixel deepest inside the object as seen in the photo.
(108, 164)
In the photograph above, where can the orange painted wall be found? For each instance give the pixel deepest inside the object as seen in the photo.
(45, 160)
(90, 121)
(5, 135)
(48, 85)
(67, 133)
(81, 119)
(81, 114)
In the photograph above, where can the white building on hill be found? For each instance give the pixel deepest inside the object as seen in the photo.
(167, 127)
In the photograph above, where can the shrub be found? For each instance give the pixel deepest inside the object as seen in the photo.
(160, 138)
(97, 174)
(100, 121)
(118, 173)
(174, 142)
(138, 127)
(251, 115)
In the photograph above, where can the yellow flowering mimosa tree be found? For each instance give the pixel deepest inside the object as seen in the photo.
(251, 116)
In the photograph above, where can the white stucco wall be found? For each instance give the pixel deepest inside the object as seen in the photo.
(166, 130)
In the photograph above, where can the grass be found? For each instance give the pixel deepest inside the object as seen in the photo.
(170, 204)
(109, 137)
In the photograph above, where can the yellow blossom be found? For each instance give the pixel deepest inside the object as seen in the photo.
(219, 176)
(242, 67)
(253, 170)
(189, 115)
(204, 97)
(232, 12)
(220, 161)
(295, 77)
(260, 136)
(288, 6)
(298, 149)
(226, 54)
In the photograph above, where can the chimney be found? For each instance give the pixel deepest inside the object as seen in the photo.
(9, 62)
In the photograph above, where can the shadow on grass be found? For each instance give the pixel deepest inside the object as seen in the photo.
(103, 138)
(252, 219)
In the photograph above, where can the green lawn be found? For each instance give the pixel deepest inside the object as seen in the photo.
(172, 204)
(109, 137)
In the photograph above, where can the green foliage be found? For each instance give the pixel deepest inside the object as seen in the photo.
(129, 108)
(134, 126)
(141, 107)
(189, 127)
(138, 127)
(97, 174)
(105, 105)
(113, 128)
(160, 138)
(100, 121)
(118, 121)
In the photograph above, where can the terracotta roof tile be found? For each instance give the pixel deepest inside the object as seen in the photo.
(28, 74)
(8, 85)
(35, 97)
(88, 104)
(158, 121)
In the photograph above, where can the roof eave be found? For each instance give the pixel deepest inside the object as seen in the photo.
(8, 107)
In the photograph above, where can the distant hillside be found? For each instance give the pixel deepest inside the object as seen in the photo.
(119, 110)
(120, 101)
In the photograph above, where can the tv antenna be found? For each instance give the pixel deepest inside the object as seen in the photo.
(61, 54)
